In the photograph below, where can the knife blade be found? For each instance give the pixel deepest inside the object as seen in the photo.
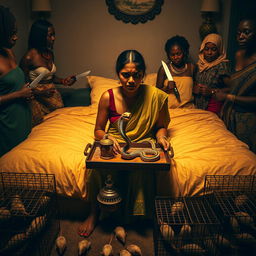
(86, 73)
(170, 78)
(35, 82)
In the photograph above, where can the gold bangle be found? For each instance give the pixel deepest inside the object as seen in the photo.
(161, 137)
(231, 97)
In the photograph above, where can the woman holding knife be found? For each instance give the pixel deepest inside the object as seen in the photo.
(40, 59)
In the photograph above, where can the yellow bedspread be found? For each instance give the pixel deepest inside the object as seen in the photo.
(202, 146)
(56, 146)
(201, 143)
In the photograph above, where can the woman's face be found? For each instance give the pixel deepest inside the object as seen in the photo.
(13, 38)
(176, 55)
(245, 33)
(130, 77)
(210, 52)
(50, 37)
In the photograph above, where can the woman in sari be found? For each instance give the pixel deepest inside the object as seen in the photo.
(40, 59)
(149, 120)
(15, 115)
(212, 67)
(239, 110)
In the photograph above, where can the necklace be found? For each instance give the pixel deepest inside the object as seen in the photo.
(179, 71)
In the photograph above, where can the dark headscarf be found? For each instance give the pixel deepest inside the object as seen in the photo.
(7, 26)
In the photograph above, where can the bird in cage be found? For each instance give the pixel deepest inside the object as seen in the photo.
(185, 231)
(177, 207)
(245, 239)
(36, 225)
(166, 231)
(192, 249)
(5, 214)
(17, 207)
(246, 220)
(241, 200)
(14, 242)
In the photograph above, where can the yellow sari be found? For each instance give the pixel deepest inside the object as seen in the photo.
(136, 187)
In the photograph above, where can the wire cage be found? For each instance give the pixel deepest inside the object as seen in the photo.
(28, 213)
(235, 203)
(185, 226)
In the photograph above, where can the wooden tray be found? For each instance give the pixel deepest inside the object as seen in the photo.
(93, 159)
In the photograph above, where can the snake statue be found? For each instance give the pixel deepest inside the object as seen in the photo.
(146, 155)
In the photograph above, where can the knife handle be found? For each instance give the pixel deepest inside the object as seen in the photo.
(177, 94)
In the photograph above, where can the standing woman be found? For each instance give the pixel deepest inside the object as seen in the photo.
(212, 68)
(177, 51)
(38, 59)
(149, 121)
(15, 115)
(239, 109)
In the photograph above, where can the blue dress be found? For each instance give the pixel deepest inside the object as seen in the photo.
(15, 116)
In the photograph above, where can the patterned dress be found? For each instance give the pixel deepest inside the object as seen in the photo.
(210, 77)
(242, 120)
(15, 116)
(43, 105)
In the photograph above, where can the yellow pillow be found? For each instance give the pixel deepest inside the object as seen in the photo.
(99, 85)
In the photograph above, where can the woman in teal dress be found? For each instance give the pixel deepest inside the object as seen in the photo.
(15, 116)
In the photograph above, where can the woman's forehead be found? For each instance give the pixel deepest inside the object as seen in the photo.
(210, 44)
(130, 65)
(245, 24)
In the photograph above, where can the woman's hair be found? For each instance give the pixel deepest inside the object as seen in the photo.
(130, 56)
(7, 26)
(181, 41)
(38, 35)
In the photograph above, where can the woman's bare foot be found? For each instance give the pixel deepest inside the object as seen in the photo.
(88, 226)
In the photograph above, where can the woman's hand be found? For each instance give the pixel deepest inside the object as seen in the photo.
(204, 90)
(170, 86)
(68, 81)
(196, 88)
(220, 95)
(163, 142)
(116, 146)
(25, 92)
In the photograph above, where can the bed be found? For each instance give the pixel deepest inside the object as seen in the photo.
(202, 146)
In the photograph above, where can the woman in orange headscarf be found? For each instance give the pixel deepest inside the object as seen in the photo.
(212, 68)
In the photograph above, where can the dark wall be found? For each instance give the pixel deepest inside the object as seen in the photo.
(239, 9)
